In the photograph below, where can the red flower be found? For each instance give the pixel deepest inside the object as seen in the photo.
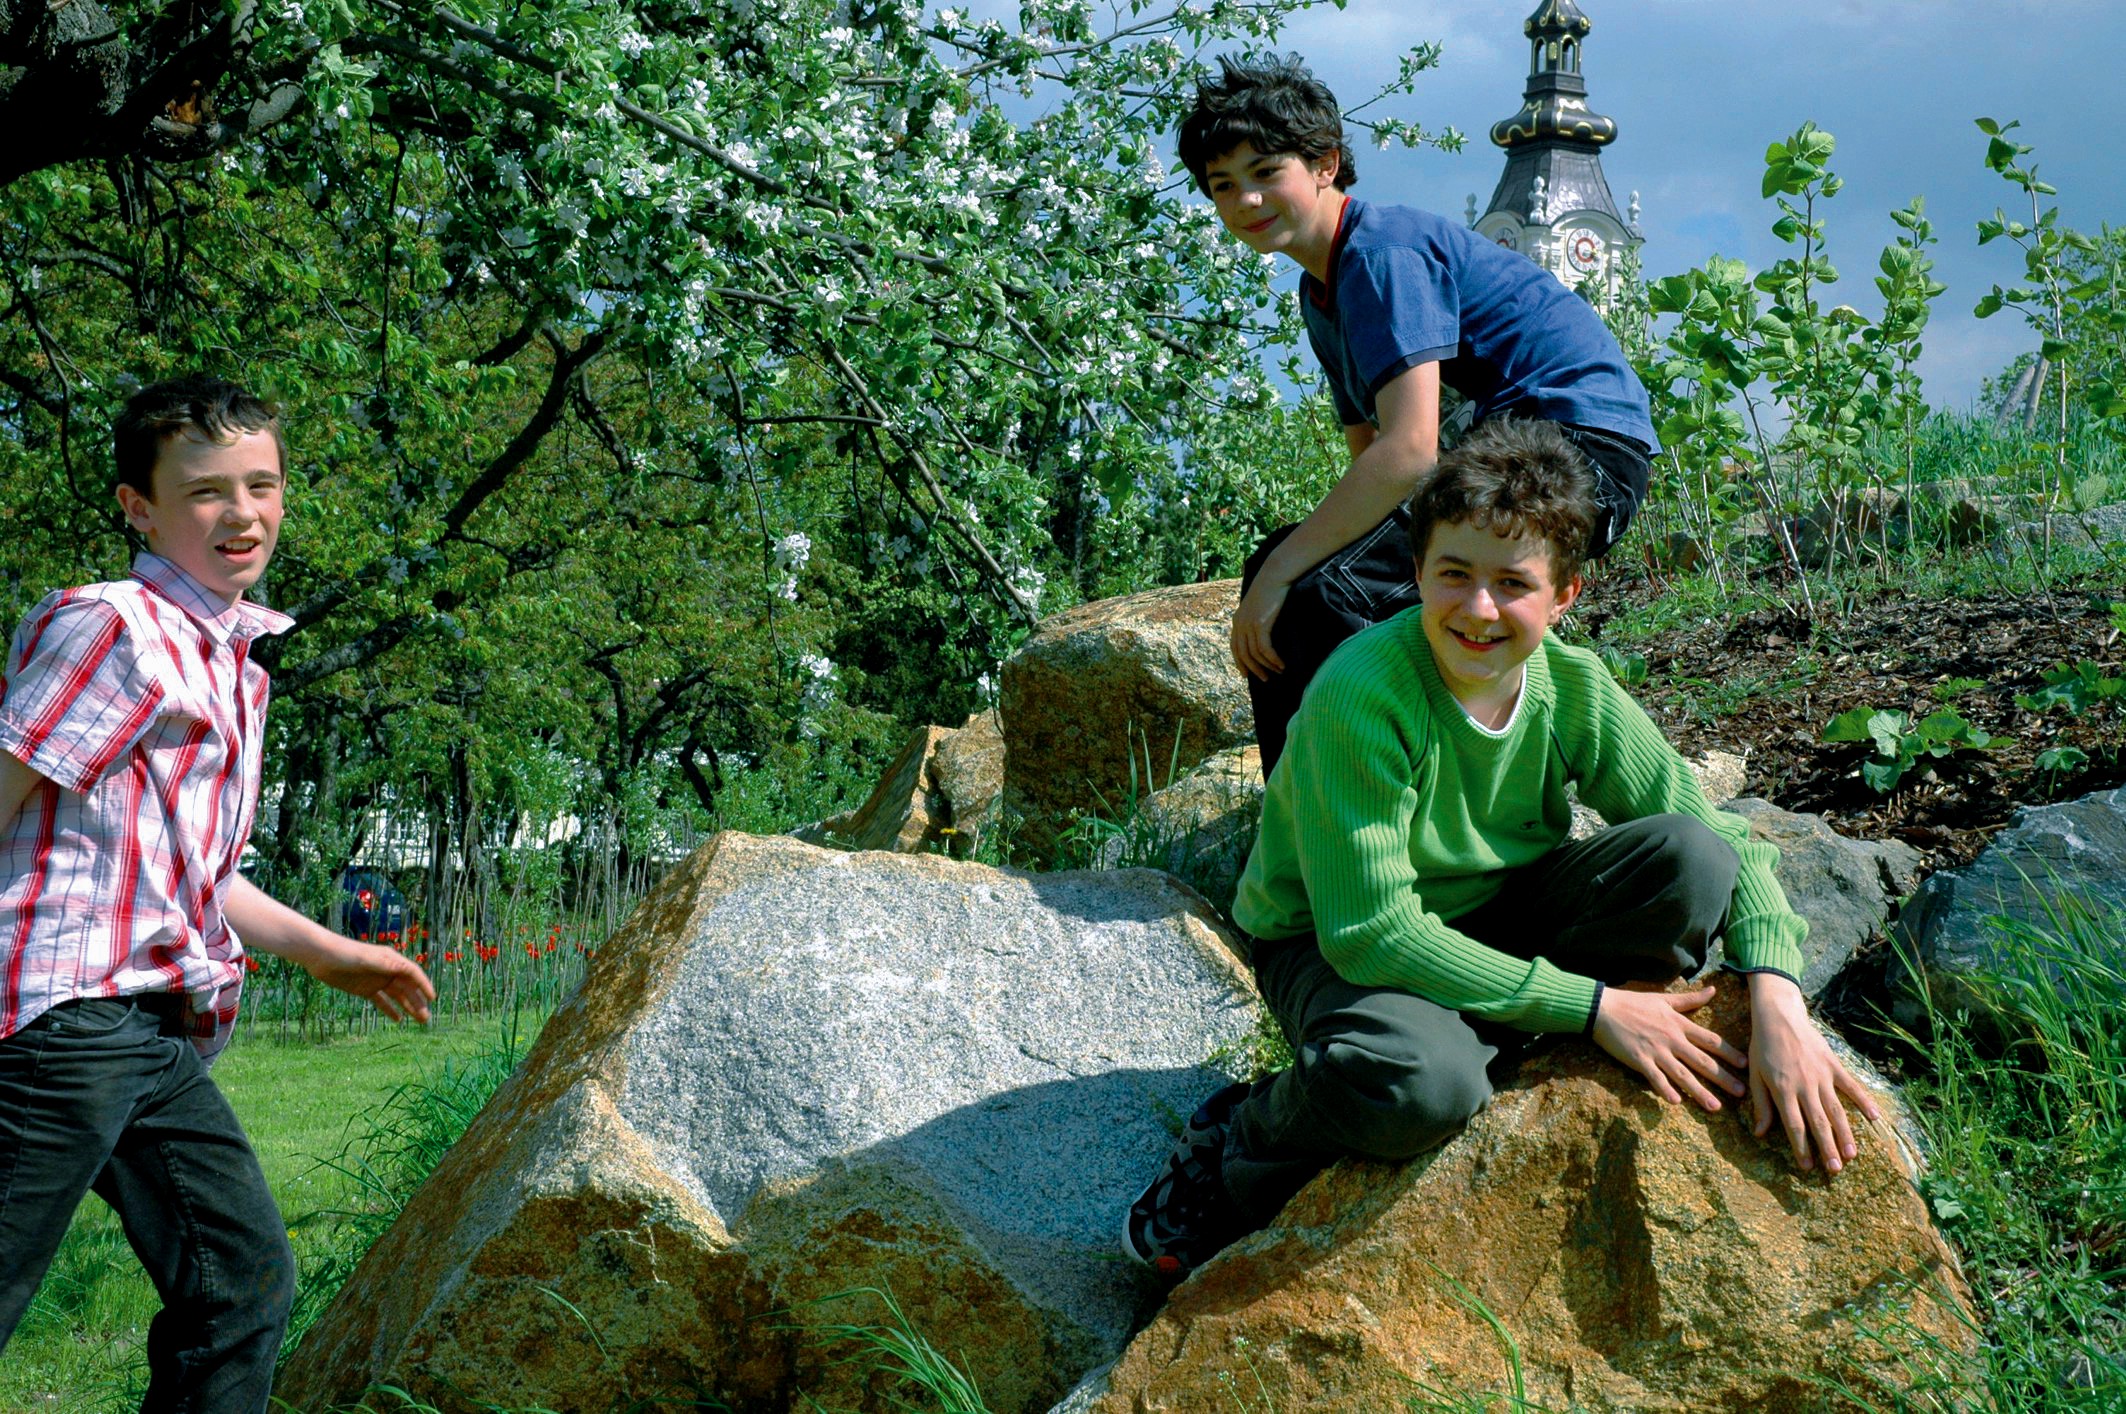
(421, 959)
(250, 963)
(361, 937)
(451, 956)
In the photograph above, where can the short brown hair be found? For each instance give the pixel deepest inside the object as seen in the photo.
(1272, 103)
(1513, 477)
(200, 403)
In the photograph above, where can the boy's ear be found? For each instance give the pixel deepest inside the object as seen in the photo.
(1566, 597)
(1327, 166)
(138, 509)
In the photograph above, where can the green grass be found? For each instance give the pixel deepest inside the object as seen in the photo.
(2028, 1173)
(80, 1345)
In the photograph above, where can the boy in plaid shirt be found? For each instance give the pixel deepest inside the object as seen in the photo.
(131, 721)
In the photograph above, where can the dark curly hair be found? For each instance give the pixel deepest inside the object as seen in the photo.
(1514, 477)
(1272, 103)
(197, 404)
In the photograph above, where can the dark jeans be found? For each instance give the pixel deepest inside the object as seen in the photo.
(105, 1096)
(1375, 577)
(1386, 1074)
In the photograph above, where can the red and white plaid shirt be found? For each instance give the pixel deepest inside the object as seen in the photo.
(139, 704)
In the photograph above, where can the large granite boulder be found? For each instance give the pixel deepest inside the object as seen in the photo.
(1844, 887)
(2057, 872)
(1144, 681)
(796, 1072)
(1622, 1254)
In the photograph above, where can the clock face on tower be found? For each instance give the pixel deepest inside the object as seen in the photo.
(1583, 251)
(1506, 239)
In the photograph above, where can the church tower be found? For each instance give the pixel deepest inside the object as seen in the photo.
(1553, 203)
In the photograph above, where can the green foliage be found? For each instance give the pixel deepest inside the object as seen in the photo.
(1952, 688)
(678, 396)
(2055, 762)
(2069, 296)
(2074, 688)
(1629, 669)
(1743, 346)
(1897, 744)
(2025, 1153)
(916, 1376)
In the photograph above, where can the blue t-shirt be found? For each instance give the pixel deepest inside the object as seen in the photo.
(1407, 287)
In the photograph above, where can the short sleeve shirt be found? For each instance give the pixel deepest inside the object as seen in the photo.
(139, 704)
(1407, 287)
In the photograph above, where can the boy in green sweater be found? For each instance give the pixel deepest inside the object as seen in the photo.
(1414, 901)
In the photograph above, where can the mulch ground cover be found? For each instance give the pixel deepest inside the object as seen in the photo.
(1765, 684)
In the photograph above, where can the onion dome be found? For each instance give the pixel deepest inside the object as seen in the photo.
(1554, 105)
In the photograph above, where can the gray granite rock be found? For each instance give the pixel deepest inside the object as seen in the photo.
(2052, 861)
(1843, 887)
(796, 1073)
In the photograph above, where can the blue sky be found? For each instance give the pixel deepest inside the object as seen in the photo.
(1700, 88)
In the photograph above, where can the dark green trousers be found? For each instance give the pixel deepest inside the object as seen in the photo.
(1386, 1074)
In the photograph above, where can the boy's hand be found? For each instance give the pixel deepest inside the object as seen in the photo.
(1649, 1032)
(1252, 622)
(1795, 1076)
(395, 985)
(390, 981)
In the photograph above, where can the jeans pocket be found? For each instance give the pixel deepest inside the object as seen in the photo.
(92, 1016)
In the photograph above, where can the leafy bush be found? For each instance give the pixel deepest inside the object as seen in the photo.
(1899, 745)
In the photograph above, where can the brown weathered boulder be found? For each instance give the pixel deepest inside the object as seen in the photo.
(793, 1073)
(1146, 678)
(940, 793)
(969, 770)
(1638, 1256)
(906, 811)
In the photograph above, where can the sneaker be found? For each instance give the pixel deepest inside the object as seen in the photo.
(1185, 1216)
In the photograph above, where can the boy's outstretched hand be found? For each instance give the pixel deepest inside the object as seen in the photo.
(1650, 1032)
(392, 983)
(1797, 1079)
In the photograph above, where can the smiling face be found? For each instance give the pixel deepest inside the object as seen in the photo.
(216, 511)
(1279, 201)
(1488, 600)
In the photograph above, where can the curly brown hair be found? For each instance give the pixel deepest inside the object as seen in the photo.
(1514, 477)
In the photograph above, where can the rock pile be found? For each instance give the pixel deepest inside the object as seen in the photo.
(794, 1073)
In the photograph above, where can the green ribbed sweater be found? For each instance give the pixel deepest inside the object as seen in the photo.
(1391, 814)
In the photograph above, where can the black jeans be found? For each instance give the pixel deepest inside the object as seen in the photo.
(1386, 1074)
(1374, 578)
(105, 1096)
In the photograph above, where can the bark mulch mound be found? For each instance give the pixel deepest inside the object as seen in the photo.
(1767, 682)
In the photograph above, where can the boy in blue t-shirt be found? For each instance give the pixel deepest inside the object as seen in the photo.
(1398, 303)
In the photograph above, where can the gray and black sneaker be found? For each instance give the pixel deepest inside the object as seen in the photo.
(1185, 1215)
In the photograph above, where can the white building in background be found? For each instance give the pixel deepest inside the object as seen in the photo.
(1553, 204)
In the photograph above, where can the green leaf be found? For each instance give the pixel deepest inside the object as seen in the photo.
(2061, 760)
(1882, 776)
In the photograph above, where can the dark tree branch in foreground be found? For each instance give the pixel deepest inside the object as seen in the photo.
(75, 85)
